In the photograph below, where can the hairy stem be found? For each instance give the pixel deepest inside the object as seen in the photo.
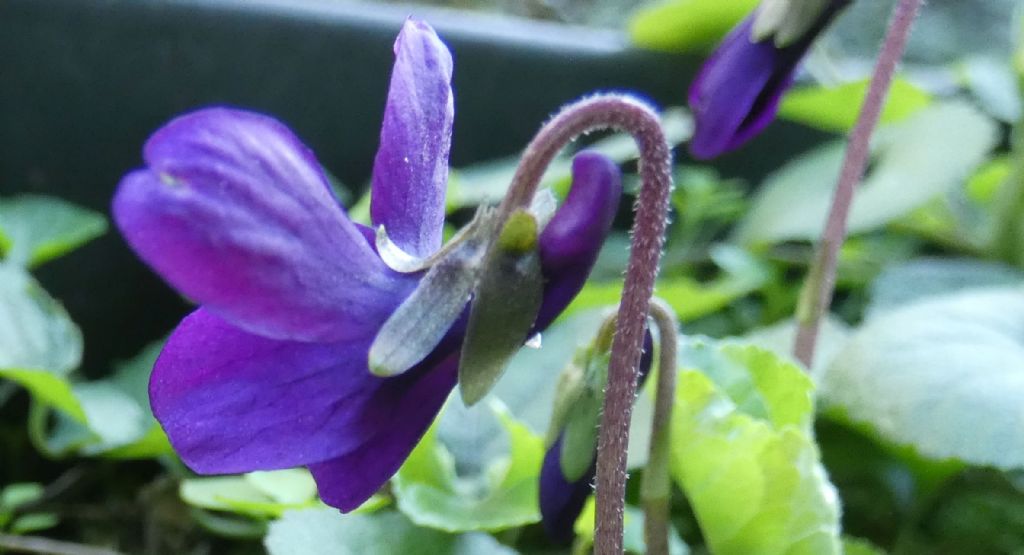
(820, 284)
(656, 490)
(623, 113)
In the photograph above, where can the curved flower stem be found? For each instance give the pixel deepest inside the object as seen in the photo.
(620, 112)
(656, 490)
(820, 285)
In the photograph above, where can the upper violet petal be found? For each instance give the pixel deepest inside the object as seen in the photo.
(415, 399)
(570, 243)
(231, 401)
(234, 212)
(410, 172)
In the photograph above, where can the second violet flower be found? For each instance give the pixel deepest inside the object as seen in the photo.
(737, 92)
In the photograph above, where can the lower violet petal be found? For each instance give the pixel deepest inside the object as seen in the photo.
(231, 401)
(414, 398)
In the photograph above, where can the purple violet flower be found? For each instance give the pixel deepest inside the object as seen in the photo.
(562, 500)
(270, 371)
(737, 92)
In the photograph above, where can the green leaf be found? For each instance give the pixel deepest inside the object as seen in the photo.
(918, 279)
(109, 417)
(993, 84)
(258, 495)
(632, 534)
(944, 32)
(689, 298)
(35, 331)
(986, 182)
(152, 443)
(944, 375)
(110, 413)
(34, 522)
(983, 518)
(857, 546)
(686, 25)
(293, 486)
(431, 494)
(35, 229)
(836, 108)
(16, 495)
(52, 390)
(328, 532)
(915, 162)
(742, 452)
(780, 337)
(230, 526)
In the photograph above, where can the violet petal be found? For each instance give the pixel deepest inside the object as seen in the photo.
(410, 172)
(561, 501)
(234, 212)
(570, 243)
(737, 92)
(415, 399)
(231, 401)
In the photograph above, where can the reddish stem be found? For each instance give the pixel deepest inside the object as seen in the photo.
(820, 285)
(622, 113)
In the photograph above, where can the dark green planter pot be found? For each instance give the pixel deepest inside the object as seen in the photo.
(84, 82)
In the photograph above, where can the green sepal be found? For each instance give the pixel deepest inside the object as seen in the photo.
(504, 307)
(567, 392)
(420, 323)
(579, 439)
(787, 21)
(35, 229)
(519, 236)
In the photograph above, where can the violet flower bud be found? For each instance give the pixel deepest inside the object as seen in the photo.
(737, 92)
(561, 498)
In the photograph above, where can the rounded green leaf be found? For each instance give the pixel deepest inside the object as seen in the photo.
(431, 494)
(686, 25)
(944, 375)
(915, 161)
(836, 108)
(35, 331)
(34, 229)
(328, 532)
(743, 453)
